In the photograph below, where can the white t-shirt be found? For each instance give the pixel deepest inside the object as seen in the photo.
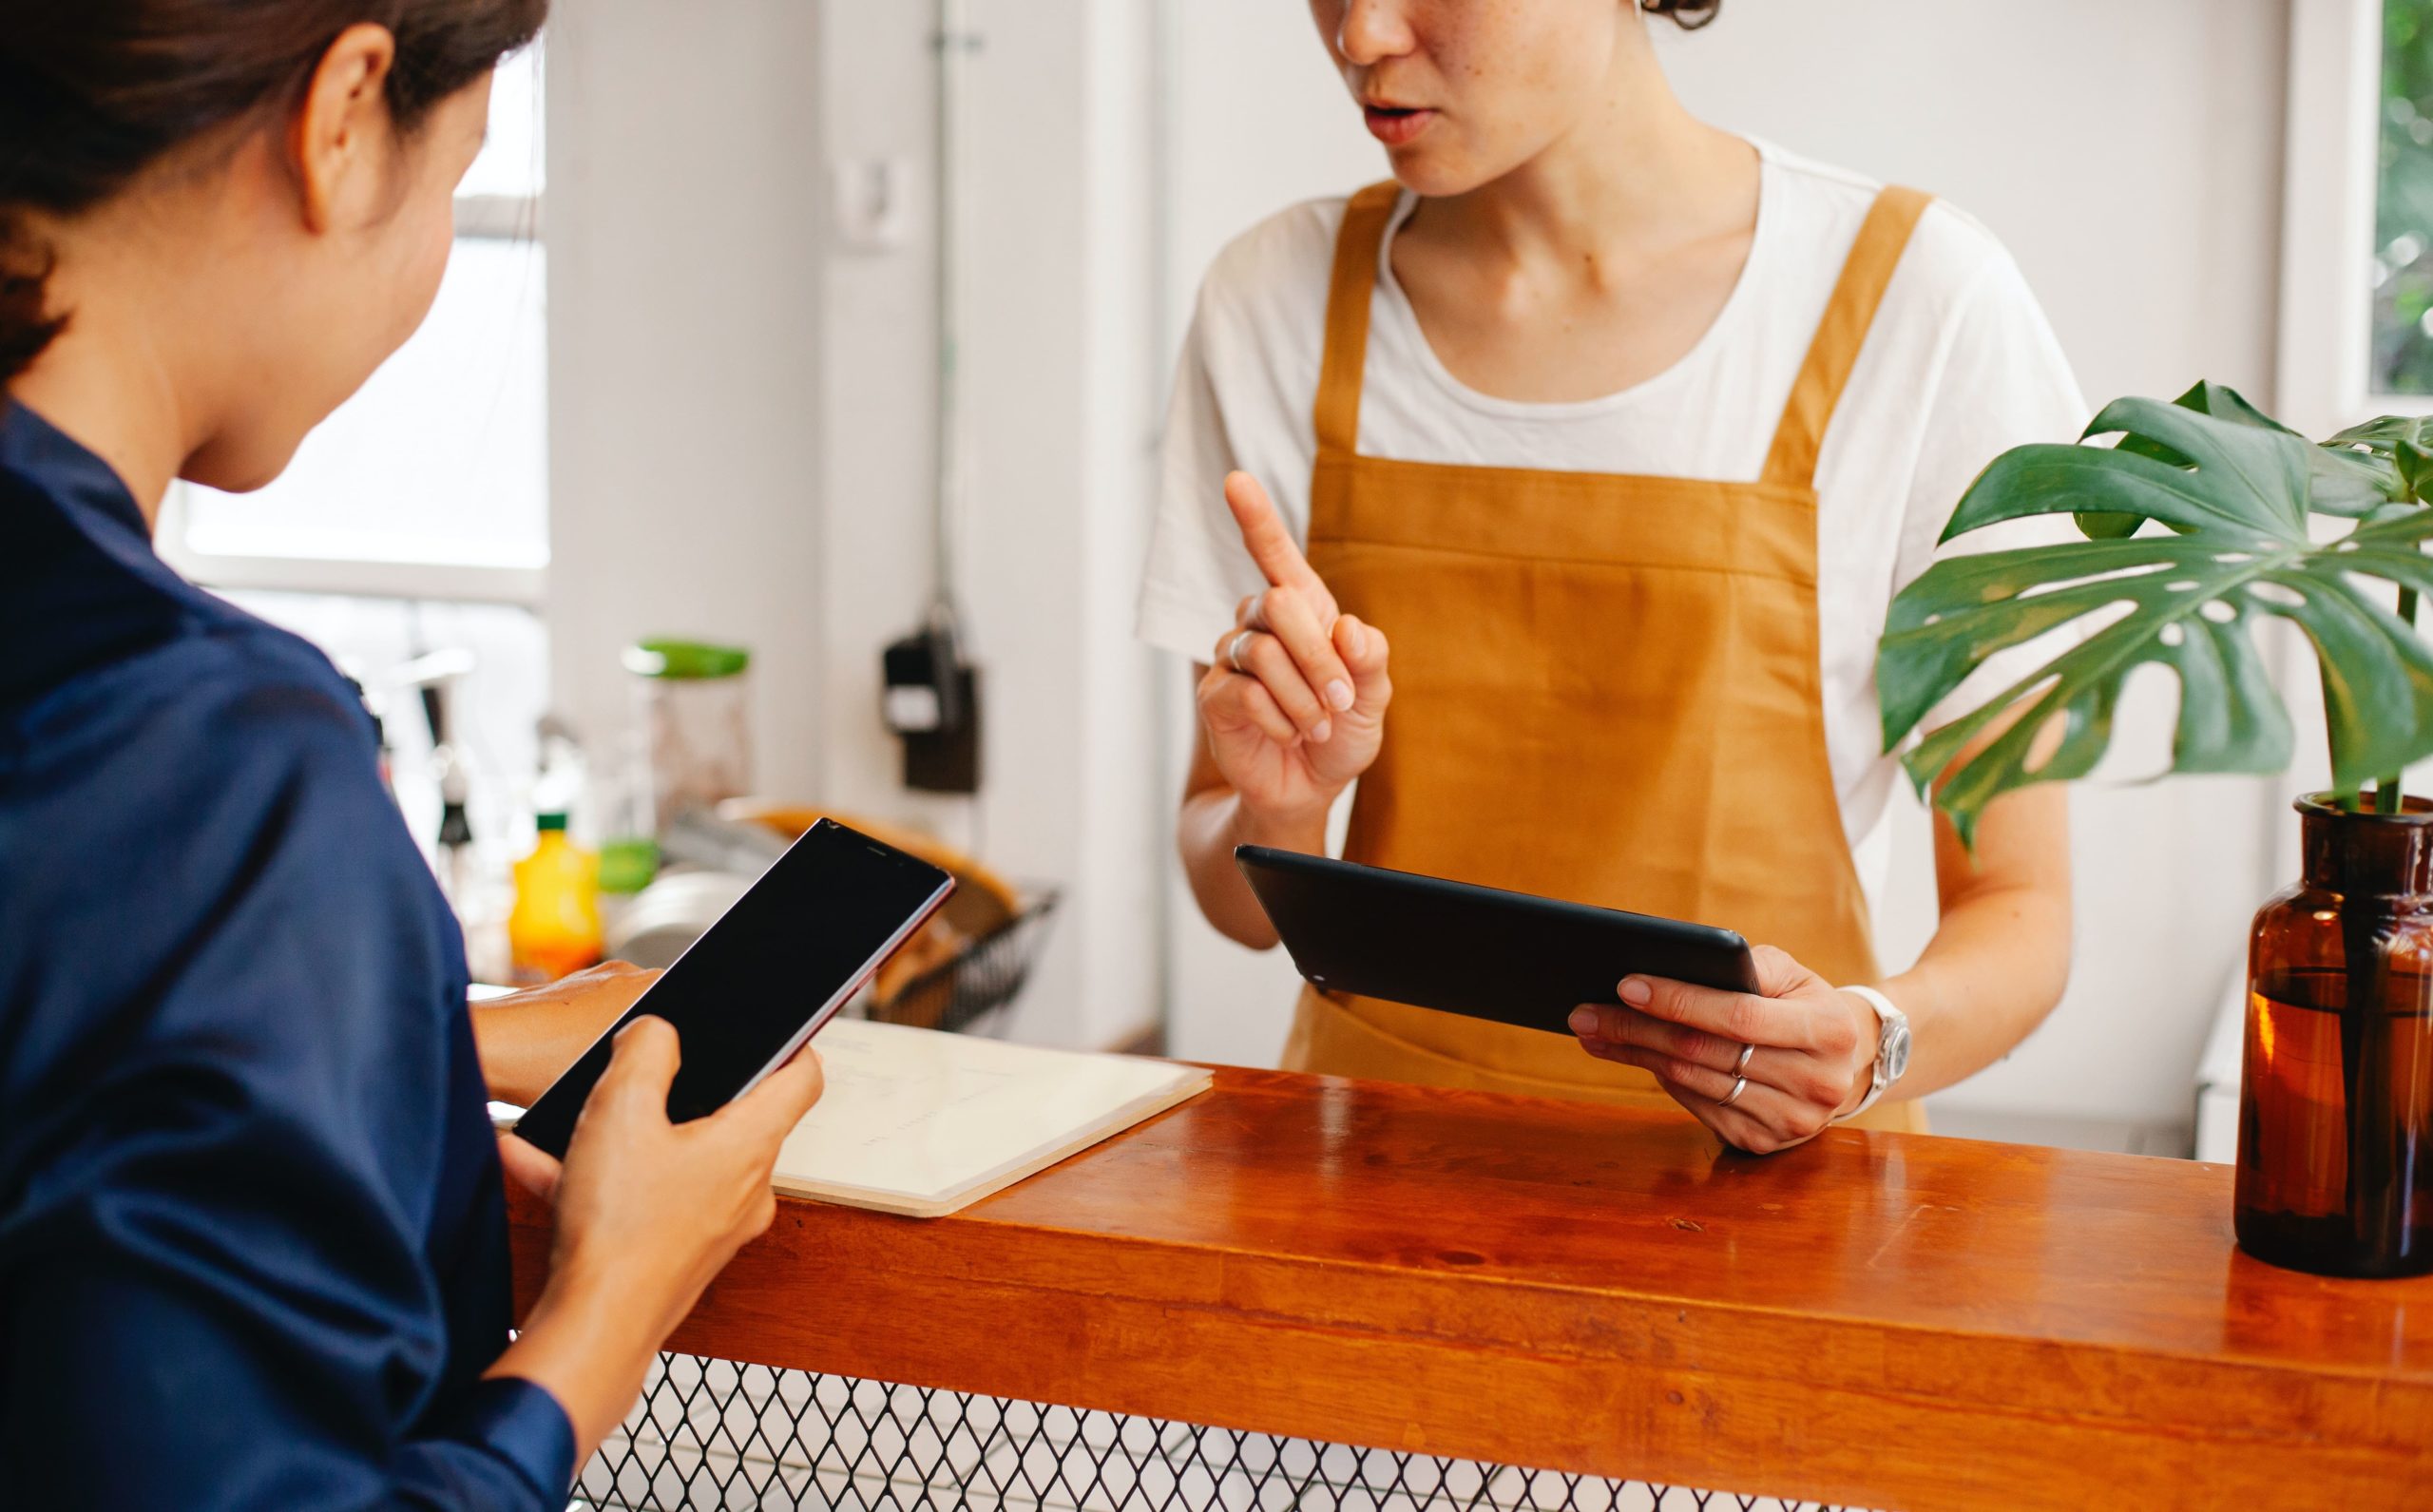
(1960, 366)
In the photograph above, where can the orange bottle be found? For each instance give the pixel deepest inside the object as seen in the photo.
(554, 929)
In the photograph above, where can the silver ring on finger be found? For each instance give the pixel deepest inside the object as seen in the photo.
(1234, 650)
(1740, 1067)
(1740, 1085)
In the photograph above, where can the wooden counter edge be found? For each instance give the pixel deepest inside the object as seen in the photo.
(1691, 1393)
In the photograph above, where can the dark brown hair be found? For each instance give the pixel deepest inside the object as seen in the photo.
(1688, 14)
(93, 92)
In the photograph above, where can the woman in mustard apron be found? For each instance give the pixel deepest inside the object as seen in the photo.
(1625, 431)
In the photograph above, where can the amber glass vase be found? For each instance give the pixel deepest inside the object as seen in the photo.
(2336, 1107)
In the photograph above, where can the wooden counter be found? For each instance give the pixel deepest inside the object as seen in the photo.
(1883, 1320)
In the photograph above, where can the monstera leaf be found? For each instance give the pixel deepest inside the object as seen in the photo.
(2234, 493)
(2352, 475)
(2391, 458)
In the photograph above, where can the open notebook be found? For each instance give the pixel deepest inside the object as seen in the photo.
(924, 1123)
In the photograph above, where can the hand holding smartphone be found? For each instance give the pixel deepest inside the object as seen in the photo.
(775, 968)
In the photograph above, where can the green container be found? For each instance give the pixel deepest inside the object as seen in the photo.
(686, 661)
(627, 864)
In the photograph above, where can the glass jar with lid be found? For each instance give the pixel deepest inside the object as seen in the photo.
(692, 701)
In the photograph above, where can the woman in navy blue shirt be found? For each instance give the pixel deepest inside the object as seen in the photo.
(252, 1237)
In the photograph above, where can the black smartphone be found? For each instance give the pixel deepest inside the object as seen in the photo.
(1510, 957)
(775, 968)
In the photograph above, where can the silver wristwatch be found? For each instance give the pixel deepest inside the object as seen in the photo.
(1892, 1048)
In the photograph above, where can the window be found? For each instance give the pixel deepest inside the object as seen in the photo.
(415, 519)
(2402, 339)
(2357, 214)
(434, 479)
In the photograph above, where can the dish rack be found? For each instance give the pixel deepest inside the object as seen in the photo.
(977, 981)
(1000, 925)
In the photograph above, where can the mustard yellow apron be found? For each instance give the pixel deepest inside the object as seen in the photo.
(1606, 688)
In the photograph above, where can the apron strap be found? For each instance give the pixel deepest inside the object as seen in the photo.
(1337, 414)
(1842, 336)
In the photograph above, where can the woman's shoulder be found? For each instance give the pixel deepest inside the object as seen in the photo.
(222, 685)
(202, 829)
(1951, 255)
(1273, 277)
(224, 726)
(108, 630)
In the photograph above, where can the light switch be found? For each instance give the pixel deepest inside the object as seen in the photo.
(874, 203)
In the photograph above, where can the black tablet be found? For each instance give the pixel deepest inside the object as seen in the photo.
(1505, 956)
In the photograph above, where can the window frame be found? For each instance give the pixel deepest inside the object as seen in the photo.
(2333, 144)
(479, 218)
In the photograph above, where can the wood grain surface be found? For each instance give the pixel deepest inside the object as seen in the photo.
(1885, 1320)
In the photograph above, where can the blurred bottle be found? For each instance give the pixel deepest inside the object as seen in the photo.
(560, 785)
(621, 803)
(458, 869)
(554, 929)
(380, 731)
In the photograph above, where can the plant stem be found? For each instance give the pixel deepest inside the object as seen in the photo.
(2388, 798)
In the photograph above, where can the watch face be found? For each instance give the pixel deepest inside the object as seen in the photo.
(1894, 1052)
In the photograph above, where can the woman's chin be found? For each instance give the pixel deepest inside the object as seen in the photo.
(240, 467)
(1435, 172)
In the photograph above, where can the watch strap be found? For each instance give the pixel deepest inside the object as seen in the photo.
(1885, 1014)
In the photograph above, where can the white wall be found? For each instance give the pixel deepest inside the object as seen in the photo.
(1058, 400)
(743, 438)
(683, 218)
(2129, 155)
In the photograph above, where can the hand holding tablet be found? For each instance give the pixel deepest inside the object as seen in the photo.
(1749, 1042)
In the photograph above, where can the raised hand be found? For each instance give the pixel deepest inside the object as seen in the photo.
(1295, 699)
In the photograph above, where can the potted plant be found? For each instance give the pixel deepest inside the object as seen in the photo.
(2204, 518)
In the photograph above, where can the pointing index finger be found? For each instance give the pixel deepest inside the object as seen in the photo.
(1271, 544)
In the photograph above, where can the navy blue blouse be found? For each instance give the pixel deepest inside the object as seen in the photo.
(252, 1240)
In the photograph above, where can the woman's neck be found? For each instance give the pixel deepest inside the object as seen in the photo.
(119, 410)
(1598, 265)
(109, 381)
(1637, 174)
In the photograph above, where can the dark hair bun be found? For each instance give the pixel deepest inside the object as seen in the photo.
(1687, 15)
